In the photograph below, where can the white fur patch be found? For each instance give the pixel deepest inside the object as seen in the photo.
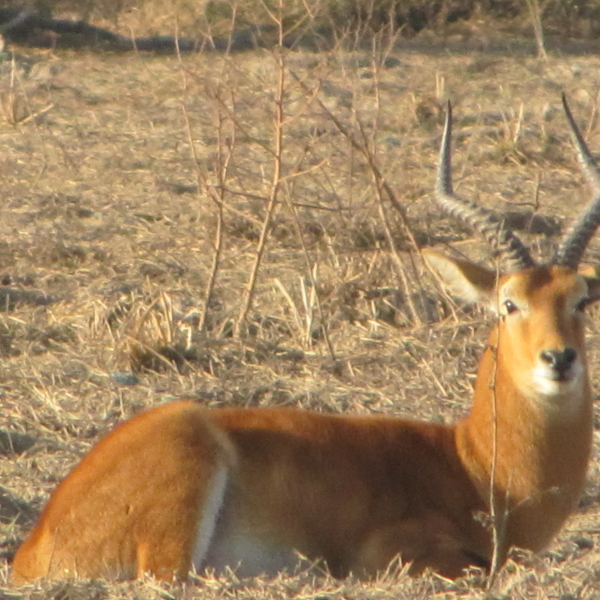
(563, 396)
(248, 555)
(213, 504)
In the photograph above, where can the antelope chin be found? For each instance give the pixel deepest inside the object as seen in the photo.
(549, 382)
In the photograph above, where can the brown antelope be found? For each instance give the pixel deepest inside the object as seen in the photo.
(179, 487)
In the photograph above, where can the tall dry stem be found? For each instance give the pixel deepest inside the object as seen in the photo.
(311, 270)
(378, 181)
(248, 295)
(497, 520)
(535, 12)
(363, 148)
(383, 190)
(217, 193)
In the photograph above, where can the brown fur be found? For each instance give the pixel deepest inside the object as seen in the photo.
(355, 491)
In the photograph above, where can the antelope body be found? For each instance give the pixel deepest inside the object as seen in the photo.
(180, 487)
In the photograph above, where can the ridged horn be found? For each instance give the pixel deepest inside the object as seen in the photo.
(511, 251)
(575, 241)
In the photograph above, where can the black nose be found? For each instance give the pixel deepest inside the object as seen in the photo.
(559, 360)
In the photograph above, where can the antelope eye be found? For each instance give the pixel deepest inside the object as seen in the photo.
(582, 304)
(510, 307)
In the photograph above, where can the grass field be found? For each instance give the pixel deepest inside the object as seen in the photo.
(138, 192)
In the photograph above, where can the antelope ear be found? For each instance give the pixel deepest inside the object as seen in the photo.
(464, 279)
(593, 289)
(591, 274)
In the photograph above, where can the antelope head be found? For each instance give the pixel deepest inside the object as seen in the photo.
(539, 338)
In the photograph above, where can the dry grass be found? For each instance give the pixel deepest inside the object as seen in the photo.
(110, 221)
(250, 18)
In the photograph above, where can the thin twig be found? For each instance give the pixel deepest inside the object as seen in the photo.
(498, 522)
(378, 181)
(365, 151)
(383, 189)
(311, 274)
(218, 197)
(536, 20)
(275, 182)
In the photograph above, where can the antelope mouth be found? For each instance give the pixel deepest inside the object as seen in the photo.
(562, 376)
(553, 382)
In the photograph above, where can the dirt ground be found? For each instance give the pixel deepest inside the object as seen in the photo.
(110, 220)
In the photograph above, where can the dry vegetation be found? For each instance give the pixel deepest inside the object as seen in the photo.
(140, 196)
(572, 18)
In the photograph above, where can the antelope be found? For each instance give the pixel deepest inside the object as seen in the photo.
(181, 488)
